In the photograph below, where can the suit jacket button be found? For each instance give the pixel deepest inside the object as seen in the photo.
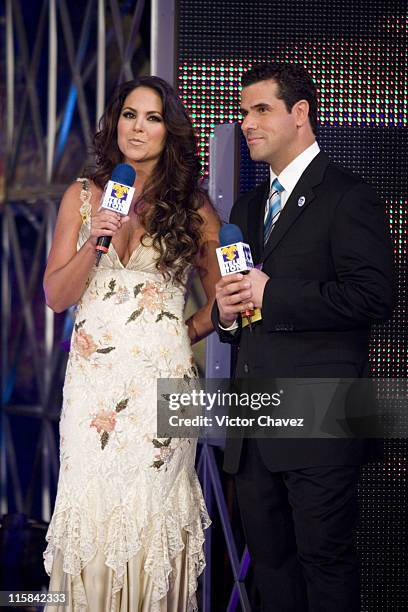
(246, 368)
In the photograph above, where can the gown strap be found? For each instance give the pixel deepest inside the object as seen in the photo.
(85, 197)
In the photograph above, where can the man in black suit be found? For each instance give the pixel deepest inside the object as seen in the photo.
(321, 236)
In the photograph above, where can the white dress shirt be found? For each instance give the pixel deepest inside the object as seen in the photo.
(292, 173)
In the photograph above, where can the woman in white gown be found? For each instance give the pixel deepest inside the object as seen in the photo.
(127, 529)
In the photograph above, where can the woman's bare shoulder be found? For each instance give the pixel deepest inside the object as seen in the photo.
(82, 191)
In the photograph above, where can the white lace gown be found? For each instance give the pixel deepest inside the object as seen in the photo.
(127, 529)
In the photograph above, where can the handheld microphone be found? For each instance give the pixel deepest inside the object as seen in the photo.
(117, 196)
(234, 255)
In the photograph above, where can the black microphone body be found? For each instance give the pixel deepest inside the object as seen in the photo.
(102, 246)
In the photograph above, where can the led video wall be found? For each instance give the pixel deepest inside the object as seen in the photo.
(356, 52)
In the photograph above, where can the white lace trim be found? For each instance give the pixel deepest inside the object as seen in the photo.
(85, 196)
(76, 533)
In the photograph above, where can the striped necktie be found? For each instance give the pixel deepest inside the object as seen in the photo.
(272, 209)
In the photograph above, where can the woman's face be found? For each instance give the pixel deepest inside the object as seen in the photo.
(141, 129)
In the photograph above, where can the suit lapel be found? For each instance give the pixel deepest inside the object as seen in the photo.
(301, 197)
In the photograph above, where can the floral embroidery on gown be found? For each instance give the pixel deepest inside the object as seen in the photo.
(126, 500)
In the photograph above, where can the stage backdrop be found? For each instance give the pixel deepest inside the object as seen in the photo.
(356, 52)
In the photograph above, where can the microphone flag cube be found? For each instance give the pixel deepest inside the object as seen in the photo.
(235, 257)
(117, 197)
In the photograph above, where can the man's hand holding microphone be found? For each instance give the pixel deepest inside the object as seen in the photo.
(241, 287)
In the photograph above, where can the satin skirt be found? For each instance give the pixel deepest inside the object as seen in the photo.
(91, 591)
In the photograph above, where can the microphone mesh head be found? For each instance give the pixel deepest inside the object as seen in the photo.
(124, 174)
(230, 233)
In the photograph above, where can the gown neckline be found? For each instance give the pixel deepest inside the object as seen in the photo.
(133, 253)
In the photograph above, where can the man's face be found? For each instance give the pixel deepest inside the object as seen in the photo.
(270, 130)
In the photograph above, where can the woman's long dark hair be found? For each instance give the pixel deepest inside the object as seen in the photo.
(172, 193)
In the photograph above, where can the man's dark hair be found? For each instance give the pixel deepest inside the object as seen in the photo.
(294, 84)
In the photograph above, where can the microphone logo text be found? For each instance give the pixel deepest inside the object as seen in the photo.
(234, 257)
(118, 197)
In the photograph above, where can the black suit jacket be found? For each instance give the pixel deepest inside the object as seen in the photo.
(330, 265)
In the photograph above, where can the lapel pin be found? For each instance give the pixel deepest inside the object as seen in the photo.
(301, 200)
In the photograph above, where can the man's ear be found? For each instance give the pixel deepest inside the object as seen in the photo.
(301, 111)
